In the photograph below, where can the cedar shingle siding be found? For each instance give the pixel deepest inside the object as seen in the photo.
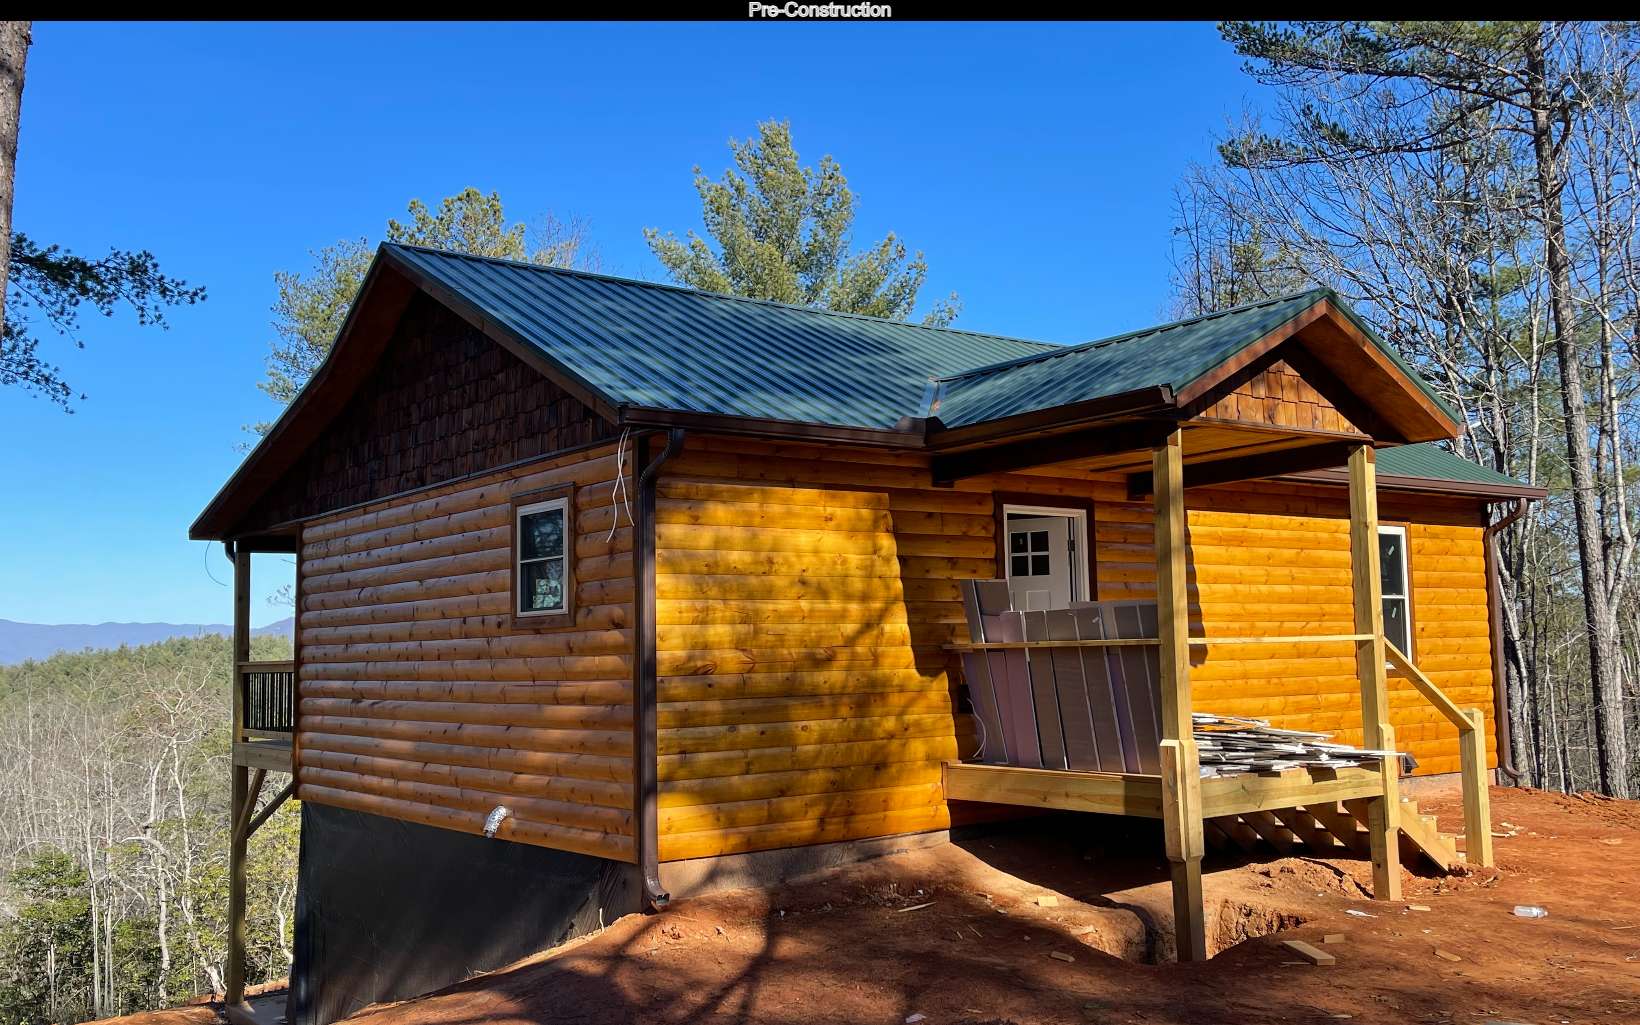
(443, 402)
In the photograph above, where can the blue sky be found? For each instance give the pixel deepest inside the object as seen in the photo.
(1033, 164)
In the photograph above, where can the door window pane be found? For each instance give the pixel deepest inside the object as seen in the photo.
(1022, 566)
(1039, 540)
(1039, 566)
(1018, 542)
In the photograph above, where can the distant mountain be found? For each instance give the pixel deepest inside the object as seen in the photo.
(20, 642)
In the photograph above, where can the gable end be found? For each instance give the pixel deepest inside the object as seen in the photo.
(442, 402)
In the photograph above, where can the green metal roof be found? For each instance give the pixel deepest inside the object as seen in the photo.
(648, 345)
(642, 344)
(657, 346)
(1432, 462)
(1172, 355)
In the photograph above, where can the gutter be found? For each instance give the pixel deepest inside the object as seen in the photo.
(1500, 673)
(645, 713)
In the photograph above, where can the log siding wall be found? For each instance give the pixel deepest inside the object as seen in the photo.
(420, 699)
(804, 595)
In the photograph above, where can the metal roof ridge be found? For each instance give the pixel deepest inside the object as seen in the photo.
(686, 290)
(1019, 361)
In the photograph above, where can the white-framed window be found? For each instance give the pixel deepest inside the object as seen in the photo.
(541, 550)
(1395, 587)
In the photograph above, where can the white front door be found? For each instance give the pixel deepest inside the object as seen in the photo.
(1040, 571)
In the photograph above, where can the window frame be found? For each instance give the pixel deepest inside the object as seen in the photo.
(559, 497)
(1405, 532)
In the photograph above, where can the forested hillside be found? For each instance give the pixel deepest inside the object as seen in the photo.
(114, 829)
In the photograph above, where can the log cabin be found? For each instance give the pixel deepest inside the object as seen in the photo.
(608, 590)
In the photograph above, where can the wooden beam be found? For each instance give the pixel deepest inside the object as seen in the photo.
(243, 815)
(1477, 800)
(1383, 819)
(1019, 455)
(268, 809)
(1103, 793)
(1181, 770)
(1323, 456)
(272, 755)
(1298, 788)
(234, 975)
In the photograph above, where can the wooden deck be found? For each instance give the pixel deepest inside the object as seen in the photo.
(1111, 793)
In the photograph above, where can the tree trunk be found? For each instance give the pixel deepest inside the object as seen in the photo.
(14, 42)
(1604, 672)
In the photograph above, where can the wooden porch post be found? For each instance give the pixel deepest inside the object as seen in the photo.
(1383, 812)
(234, 982)
(1181, 773)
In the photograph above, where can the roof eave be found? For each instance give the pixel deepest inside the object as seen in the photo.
(1053, 420)
(911, 433)
(229, 505)
(1428, 485)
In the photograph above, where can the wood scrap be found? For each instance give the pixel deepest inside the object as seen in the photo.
(1313, 954)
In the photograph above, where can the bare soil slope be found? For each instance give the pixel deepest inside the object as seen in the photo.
(1054, 925)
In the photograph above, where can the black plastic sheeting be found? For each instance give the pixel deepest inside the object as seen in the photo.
(387, 910)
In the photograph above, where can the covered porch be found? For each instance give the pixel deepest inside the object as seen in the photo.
(1280, 411)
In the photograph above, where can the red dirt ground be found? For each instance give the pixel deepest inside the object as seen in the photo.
(856, 946)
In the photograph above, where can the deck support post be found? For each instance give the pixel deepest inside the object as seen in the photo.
(1477, 802)
(1384, 811)
(234, 975)
(1180, 764)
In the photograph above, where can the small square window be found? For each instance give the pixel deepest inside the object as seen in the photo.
(1022, 566)
(1039, 565)
(1039, 540)
(1018, 542)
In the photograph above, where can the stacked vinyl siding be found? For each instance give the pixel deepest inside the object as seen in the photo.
(419, 697)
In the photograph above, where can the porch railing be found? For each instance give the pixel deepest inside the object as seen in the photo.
(1471, 724)
(267, 700)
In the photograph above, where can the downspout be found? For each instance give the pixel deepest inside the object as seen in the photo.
(1500, 673)
(644, 689)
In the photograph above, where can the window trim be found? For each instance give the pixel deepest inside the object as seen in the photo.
(1405, 531)
(561, 497)
(1079, 510)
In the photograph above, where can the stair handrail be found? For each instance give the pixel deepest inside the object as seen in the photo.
(1471, 724)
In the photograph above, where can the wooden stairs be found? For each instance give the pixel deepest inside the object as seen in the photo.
(1331, 829)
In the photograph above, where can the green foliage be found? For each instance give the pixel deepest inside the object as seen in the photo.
(113, 840)
(313, 305)
(52, 929)
(309, 314)
(782, 233)
(54, 284)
